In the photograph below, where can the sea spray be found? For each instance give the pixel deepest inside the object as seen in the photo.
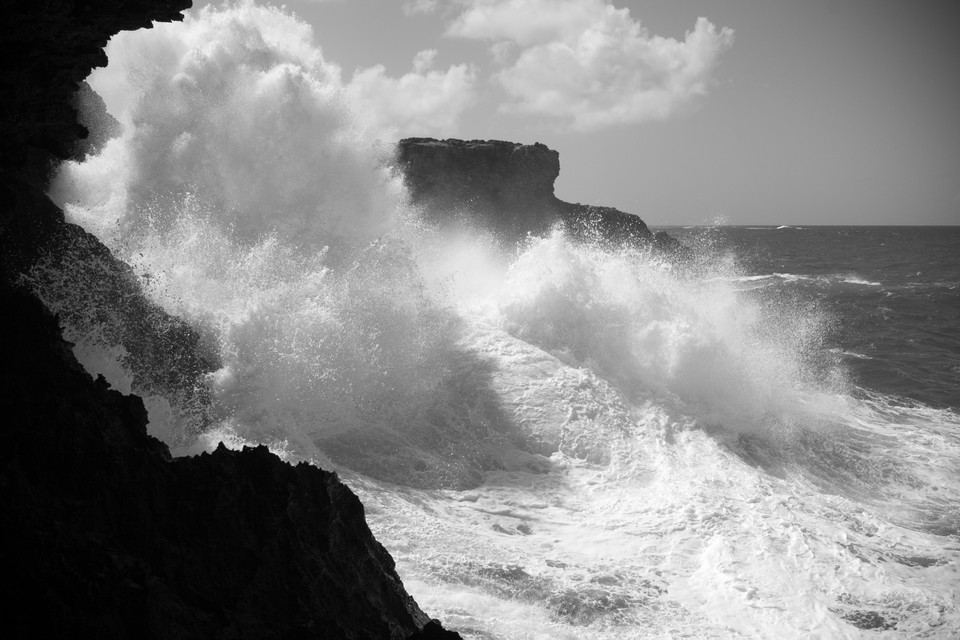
(237, 110)
(561, 439)
(656, 330)
(238, 178)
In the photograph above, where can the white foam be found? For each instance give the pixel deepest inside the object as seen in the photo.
(855, 279)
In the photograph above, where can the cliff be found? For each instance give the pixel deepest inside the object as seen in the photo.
(46, 254)
(509, 186)
(106, 535)
(49, 48)
(46, 50)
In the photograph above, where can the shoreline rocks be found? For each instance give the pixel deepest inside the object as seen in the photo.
(107, 536)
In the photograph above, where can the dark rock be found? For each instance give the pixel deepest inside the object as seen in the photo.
(77, 276)
(602, 223)
(509, 187)
(509, 184)
(668, 244)
(49, 48)
(106, 536)
(433, 630)
(46, 50)
(94, 117)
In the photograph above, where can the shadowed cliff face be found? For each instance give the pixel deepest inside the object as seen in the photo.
(109, 537)
(46, 254)
(46, 50)
(106, 535)
(508, 186)
(50, 47)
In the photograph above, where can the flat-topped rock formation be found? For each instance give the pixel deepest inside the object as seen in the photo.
(508, 186)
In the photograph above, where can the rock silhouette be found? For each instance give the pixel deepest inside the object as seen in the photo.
(105, 534)
(509, 187)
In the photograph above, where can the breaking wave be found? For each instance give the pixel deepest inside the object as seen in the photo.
(554, 439)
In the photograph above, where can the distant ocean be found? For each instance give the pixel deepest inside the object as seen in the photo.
(893, 294)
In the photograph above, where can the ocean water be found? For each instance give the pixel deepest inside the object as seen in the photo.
(553, 439)
(892, 290)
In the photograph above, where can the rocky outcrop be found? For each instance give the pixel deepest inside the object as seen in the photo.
(509, 187)
(96, 294)
(105, 535)
(93, 116)
(49, 48)
(46, 50)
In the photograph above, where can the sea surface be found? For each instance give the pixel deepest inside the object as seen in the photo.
(892, 290)
(831, 511)
(553, 438)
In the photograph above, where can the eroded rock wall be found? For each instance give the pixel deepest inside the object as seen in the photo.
(106, 536)
(49, 48)
(46, 50)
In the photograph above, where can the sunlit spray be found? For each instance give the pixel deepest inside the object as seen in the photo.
(554, 439)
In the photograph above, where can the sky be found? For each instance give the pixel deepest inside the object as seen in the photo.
(798, 112)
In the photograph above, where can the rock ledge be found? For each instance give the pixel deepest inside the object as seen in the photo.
(508, 186)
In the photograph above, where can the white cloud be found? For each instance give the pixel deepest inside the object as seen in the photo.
(589, 65)
(413, 7)
(526, 22)
(423, 101)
